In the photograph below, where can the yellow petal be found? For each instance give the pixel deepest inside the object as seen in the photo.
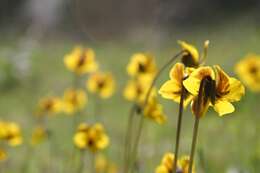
(237, 90)
(223, 107)
(171, 90)
(191, 49)
(161, 169)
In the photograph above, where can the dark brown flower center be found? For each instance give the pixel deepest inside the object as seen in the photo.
(141, 68)
(188, 60)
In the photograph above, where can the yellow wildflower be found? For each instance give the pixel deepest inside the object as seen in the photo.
(142, 65)
(102, 84)
(190, 56)
(10, 132)
(39, 135)
(213, 87)
(49, 106)
(81, 61)
(166, 165)
(137, 89)
(92, 137)
(154, 111)
(74, 100)
(248, 70)
(3, 155)
(172, 89)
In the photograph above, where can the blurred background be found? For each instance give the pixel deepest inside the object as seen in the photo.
(36, 34)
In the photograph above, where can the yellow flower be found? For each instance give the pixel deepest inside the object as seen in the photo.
(10, 132)
(81, 61)
(49, 106)
(184, 164)
(74, 100)
(172, 89)
(190, 56)
(213, 87)
(102, 84)
(248, 70)
(142, 65)
(3, 155)
(137, 89)
(166, 165)
(39, 135)
(92, 137)
(154, 111)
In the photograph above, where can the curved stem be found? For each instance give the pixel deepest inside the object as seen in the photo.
(139, 130)
(128, 136)
(178, 130)
(194, 141)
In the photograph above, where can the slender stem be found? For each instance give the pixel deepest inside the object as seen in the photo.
(139, 131)
(178, 130)
(93, 157)
(135, 146)
(128, 136)
(194, 141)
(81, 161)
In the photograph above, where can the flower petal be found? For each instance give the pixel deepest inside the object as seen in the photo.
(223, 107)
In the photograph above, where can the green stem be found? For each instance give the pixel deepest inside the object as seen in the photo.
(135, 146)
(81, 161)
(194, 141)
(178, 130)
(128, 137)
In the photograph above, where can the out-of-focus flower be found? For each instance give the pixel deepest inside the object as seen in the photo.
(103, 165)
(10, 132)
(166, 165)
(39, 135)
(137, 89)
(154, 111)
(190, 56)
(102, 84)
(213, 88)
(49, 106)
(3, 155)
(81, 61)
(248, 70)
(173, 88)
(92, 137)
(142, 65)
(74, 100)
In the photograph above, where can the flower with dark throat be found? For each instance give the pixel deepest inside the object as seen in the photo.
(213, 87)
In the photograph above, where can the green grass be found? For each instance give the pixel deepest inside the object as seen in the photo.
(231, 141)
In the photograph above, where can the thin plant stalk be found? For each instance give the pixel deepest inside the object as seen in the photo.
(81, 162)
(139, 130)
(128, 136)
(178, 132)
(194, 141)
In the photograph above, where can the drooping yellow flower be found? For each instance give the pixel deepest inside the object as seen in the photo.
(154, 111)
(102, 84)
(39, 135)
(3, 155)
(81, 61)
(142, 65)
(74, 100)
(166, 165)
(248, 70)
(49, 106)
(213, 87)
(10, 132)
(136, 90)
(190, 56)
(92, 137)
(172, 89)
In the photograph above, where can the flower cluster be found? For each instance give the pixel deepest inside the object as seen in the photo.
(166, 165)
(142, 70)
(92, 137)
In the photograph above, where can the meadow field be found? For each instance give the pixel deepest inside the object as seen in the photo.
(228, 144)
